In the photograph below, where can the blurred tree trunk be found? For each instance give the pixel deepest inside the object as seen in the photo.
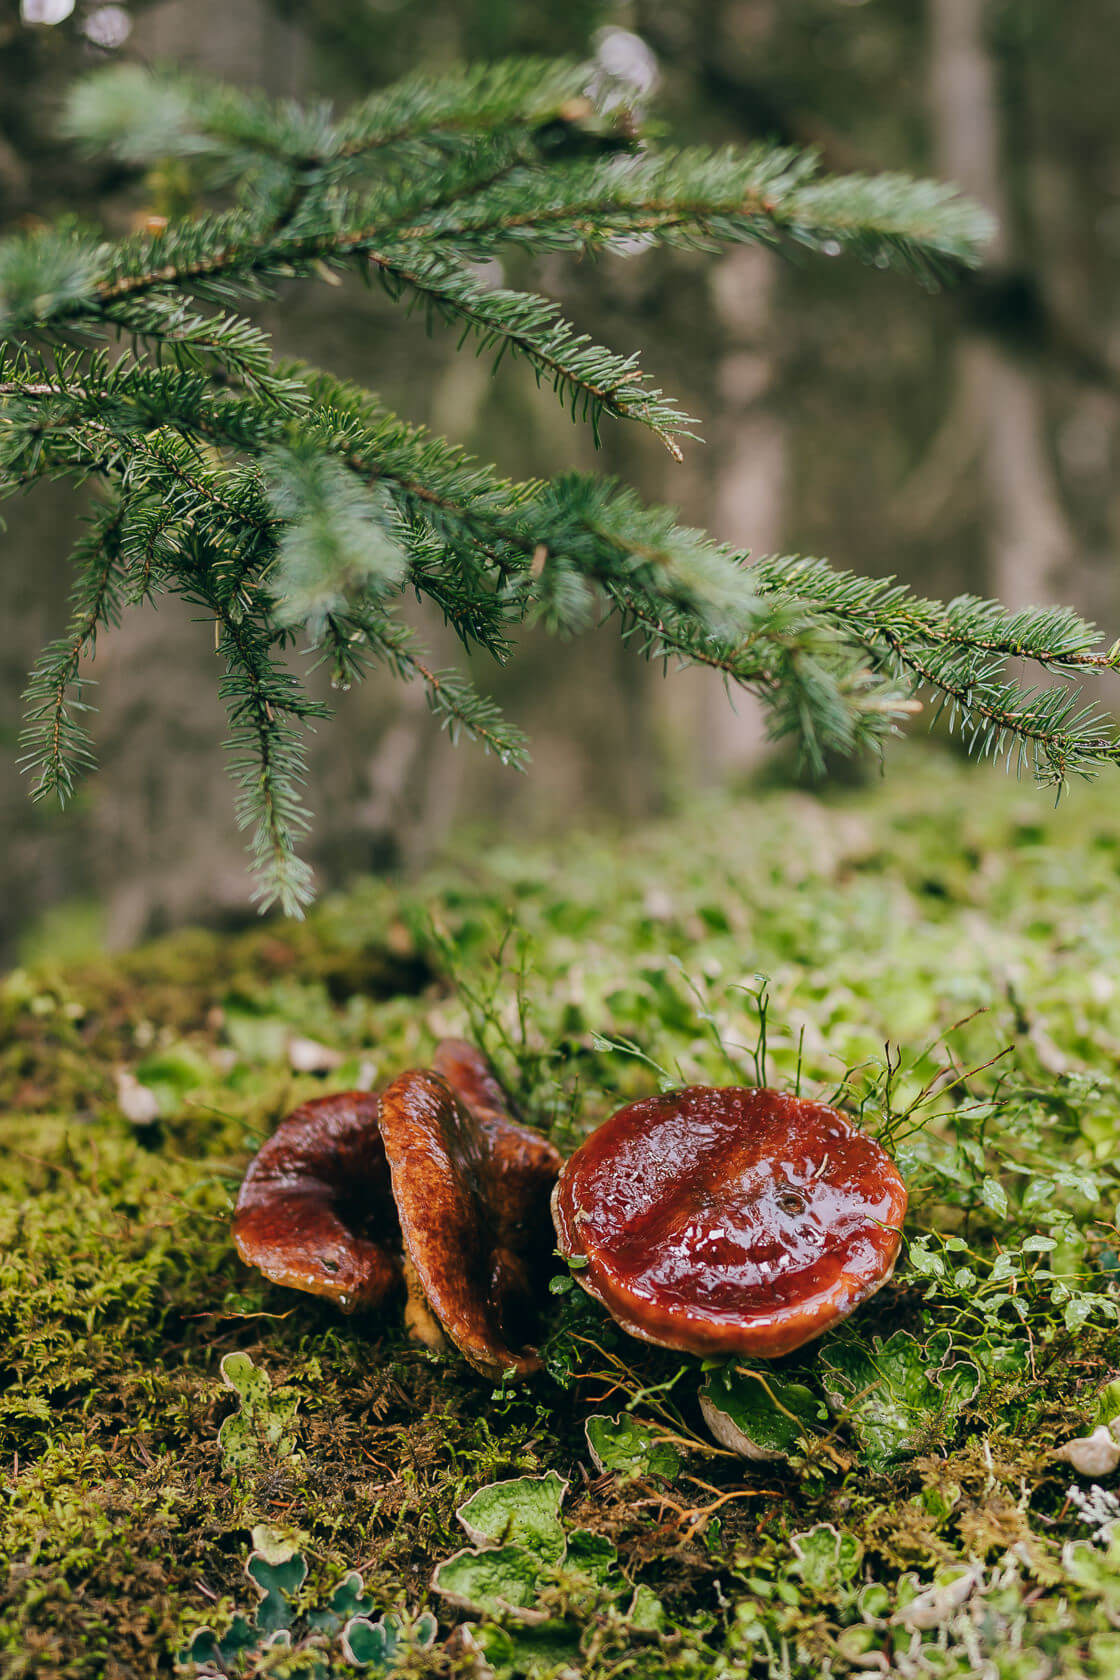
(748, 445)
(1002, 415)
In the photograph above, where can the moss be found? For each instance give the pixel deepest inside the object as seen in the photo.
(890, 918)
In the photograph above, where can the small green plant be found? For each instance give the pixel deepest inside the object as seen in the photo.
(625, 1448)
(541, 1586)
(899, 1396)
(261, 1432)
(762, 1413)
(313, 1637)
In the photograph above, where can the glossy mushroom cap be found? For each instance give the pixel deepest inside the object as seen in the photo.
(316, 1211)
(724, 1221)
(520, 1165)
(471, 1186)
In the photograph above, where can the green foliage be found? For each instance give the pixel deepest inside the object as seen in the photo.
(377, 1646)
(760, 1412)
(284, 1622)
(260, 1432)
(898, 1396)
(525, 1513)
(626, 1449)
(537, 1580)
(288, 507)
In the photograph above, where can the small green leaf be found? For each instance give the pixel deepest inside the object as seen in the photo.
(759, 1414)
(521, 1512)
(1001, 1359)
(994, 1196)
(278, 1583)
(275, 1545)
(647, 1613)
(203, 1648)
(1108, 1403)
(525, 1652)
(625, 1448)
(897, 1396)
(377, 1645)
(825, 1558)
(261, 1431)
(225, 1652)
(256, 1036)
(1078, 1311)
(172, 1075)
(368, 1644)
(592, 1555)
(349, 1599)
(503, 1580)
(423, 1630)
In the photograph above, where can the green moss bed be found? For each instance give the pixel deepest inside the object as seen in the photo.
(940, 956)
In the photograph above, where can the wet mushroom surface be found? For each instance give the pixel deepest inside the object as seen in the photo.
(315, 1211)
(434, 1183)
(724, 1220)
(472, 1187)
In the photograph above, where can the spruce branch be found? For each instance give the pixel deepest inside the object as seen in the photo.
(831, 662)
(444, 112)
(960, 652)
(351, 640)
(765, 195)
(136, 114)
(266, 706)
(461, 709)
(336, 540)
(591, 379)
(286, 503)
(1052, 636)
(194, 342)
(56, 747)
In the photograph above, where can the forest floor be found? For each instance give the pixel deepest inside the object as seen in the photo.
(941, 957)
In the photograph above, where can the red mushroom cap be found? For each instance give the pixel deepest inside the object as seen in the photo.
(315, 1211)
(471, 1186)
(520, 1165)
(723, 1221)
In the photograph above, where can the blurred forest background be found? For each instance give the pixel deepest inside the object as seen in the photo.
(963, 442)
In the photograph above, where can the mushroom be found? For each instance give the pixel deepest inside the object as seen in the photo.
(1097, 1454)
(471, 1186)
(434, 1182)
(315, 1211)
(729, 1221)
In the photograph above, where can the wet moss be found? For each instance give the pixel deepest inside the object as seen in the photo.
(120, 1292)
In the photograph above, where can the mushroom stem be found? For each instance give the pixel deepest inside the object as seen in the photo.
(419, 1319)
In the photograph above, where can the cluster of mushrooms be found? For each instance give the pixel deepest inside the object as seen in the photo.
(713, 1220)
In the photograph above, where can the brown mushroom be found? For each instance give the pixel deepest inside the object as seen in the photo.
(435, 1182)
(521, 1166)
(315, 1211)
(471, 1186)
(724, 1221)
